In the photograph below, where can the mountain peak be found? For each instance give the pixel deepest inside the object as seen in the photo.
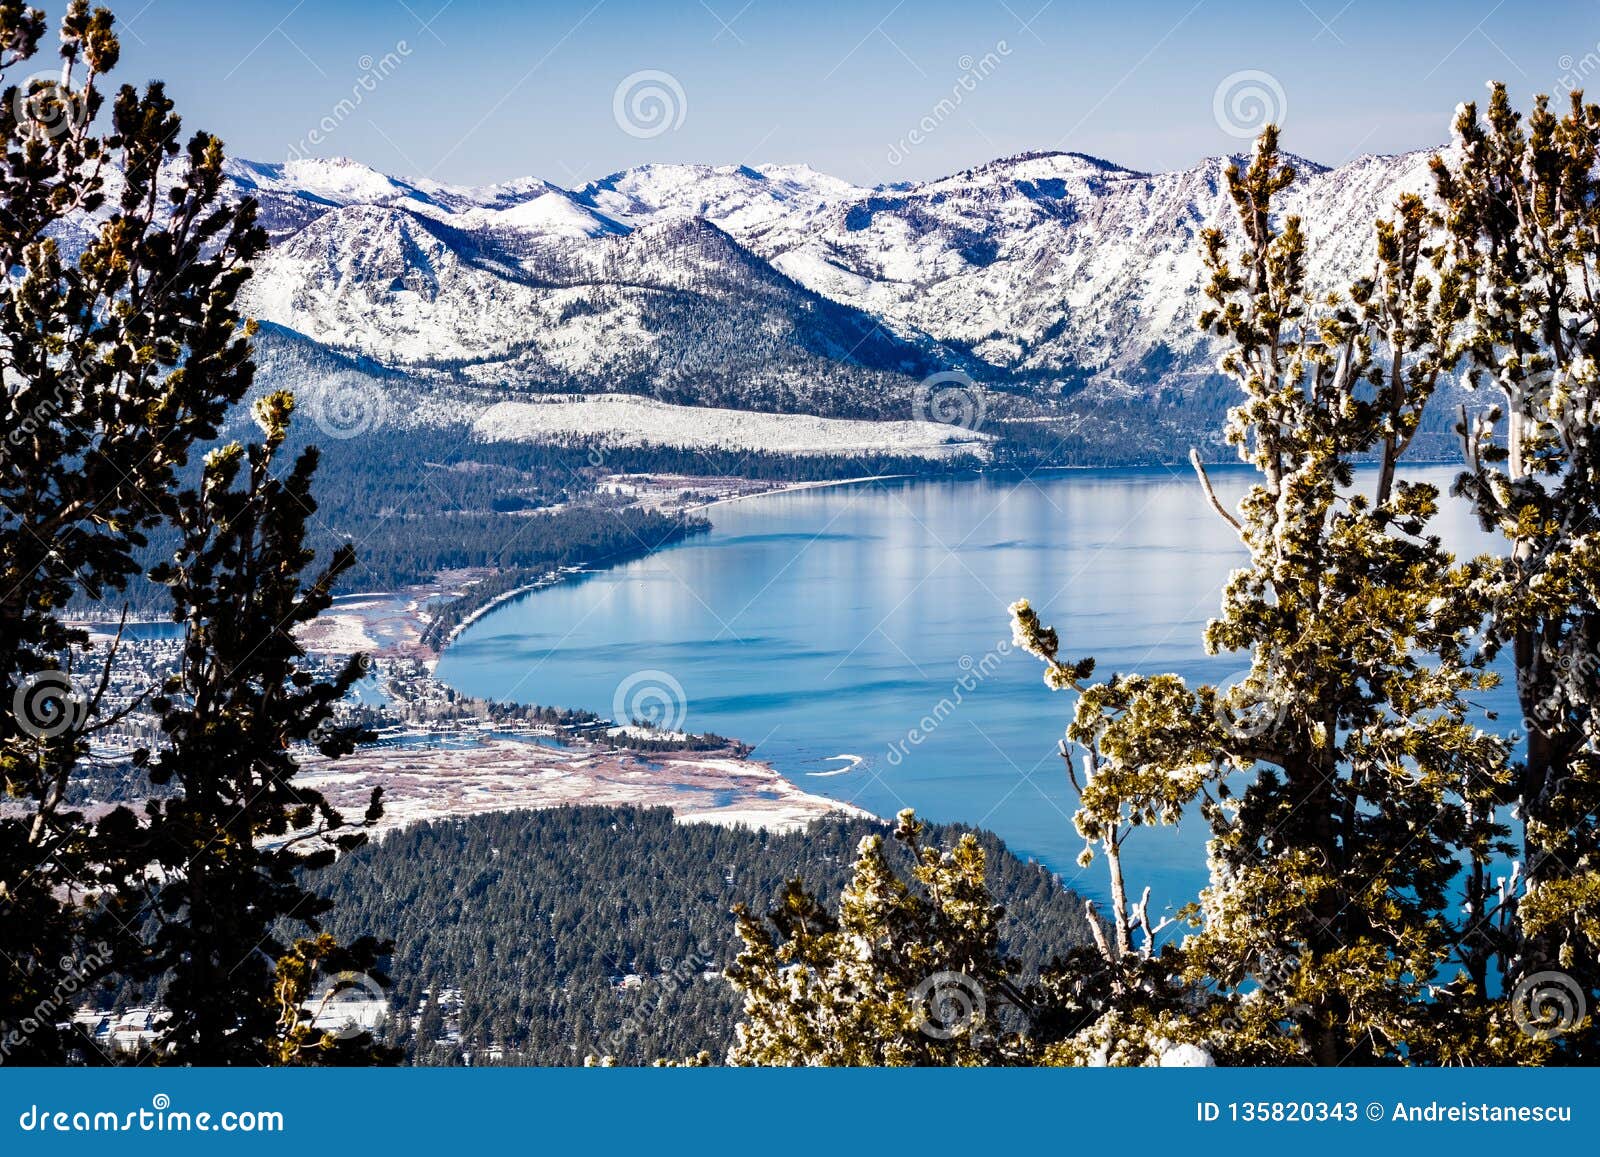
(337, 180)
(1050, 169)
(1038, 267)
(1303, 166)
(547, 212)
(739, 194)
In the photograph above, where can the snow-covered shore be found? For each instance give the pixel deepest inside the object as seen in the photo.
(629, 420)
(495, 774)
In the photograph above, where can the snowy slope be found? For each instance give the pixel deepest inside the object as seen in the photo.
(547, 295)
(621, 420)
(1047, 262)
(739, 198)
(775, 287)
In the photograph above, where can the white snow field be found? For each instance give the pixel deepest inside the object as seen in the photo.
(626, 420)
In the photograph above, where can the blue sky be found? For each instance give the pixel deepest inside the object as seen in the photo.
(477, 91)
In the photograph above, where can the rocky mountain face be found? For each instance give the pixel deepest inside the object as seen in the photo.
(1054, 279)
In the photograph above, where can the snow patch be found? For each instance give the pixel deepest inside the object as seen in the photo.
(622, 419)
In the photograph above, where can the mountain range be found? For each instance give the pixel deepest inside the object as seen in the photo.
(1060, 282)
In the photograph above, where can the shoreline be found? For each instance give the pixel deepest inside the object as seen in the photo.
(548, 579)
(391, 625)
(498, 772)
(562, 574)
(794, 806)
(792, 487)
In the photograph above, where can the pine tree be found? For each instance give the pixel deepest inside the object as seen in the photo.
(1521, 206)
(116, 364)
(1329, 933)
(101, 400)
(1359, 908)
(232, 847)
(906, 974)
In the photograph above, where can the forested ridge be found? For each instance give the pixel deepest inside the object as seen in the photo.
(537, 917)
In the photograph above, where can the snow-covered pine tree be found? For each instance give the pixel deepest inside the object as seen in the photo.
(1521, 203)
(118, 364)
(1370, 899)
(903, 975)
(1333, 775)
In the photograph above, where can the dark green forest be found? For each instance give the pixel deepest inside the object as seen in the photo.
(538, 916)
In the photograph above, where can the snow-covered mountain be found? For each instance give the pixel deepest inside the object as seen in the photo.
(1049, 263)
(775, 287)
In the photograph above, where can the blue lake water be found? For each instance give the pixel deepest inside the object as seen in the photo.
(832, 622)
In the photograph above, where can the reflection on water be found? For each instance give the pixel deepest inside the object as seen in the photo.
(872, 620)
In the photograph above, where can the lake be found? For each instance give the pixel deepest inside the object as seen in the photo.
(858, 636)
